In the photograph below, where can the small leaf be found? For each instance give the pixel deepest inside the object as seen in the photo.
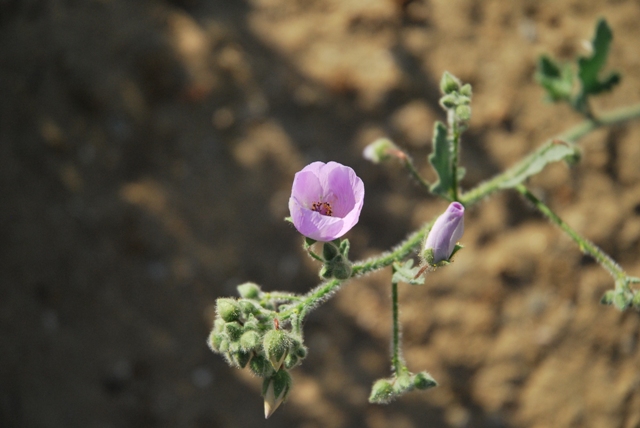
(406, 273)
(440, 159)
(556, 79)
(590, 67)
(553, 151)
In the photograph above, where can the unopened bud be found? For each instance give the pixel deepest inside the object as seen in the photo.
(449, 83)
(636, 301)
(215, 340)
(248, 308)
(276, 345)
(260, 366)
(228, 309)
(241, 359)
(250, 340)
(380, 150)
(442, 239)
(233, 330)
(621, 301)
(423, 380)
(341, 268)
(607, 298)
(381, 392)
(249, 290)
(466, 90)
(463, 112)
(449, 101)
(275, 391)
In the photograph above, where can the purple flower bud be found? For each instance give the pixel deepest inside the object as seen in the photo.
(326, 200)
(444, 235)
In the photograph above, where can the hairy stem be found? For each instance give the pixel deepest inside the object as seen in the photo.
(396, 359)
(585, 245)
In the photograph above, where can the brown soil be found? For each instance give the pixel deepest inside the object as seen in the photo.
(146, 153)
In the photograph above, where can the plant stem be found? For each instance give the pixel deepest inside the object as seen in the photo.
(454, 137)
(606, 119)
(408, 164)
(585, 245)
(396, 360)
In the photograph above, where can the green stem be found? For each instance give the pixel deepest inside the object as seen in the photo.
(396, 359)
(454, 136)
(585, 245)
(571, 136)
(408, 164)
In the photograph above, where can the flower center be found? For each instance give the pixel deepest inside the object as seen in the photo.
(323, 208)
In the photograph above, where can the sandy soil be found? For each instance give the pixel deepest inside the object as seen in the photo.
(146, 154)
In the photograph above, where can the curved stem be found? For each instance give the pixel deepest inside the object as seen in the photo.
(585, 245)
(396, 359)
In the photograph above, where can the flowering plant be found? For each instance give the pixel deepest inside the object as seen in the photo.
(263, 330)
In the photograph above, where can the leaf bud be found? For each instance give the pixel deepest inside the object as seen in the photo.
(275, 390)
(449, 83)
(276, 345)
(228, 309)
(249, 290)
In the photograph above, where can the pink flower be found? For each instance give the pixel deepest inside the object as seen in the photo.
(326, 200)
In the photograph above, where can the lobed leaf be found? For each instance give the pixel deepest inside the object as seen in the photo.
(590, 67)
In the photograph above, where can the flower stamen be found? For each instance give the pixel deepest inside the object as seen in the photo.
(323, 208)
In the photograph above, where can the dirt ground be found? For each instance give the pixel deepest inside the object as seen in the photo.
(147, 150)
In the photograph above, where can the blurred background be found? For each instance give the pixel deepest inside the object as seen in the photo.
(147, 150)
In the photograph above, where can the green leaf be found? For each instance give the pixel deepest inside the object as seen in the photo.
(440, 159)
(556, 79)
(590, 67)
(553, 151)
(406, 273)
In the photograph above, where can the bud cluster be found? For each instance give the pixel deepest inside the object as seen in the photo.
(386, 390)
(247, 333)
(457, 97)
(622, 297)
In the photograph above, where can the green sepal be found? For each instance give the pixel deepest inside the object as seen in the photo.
(440, 159)
(308, 242)
(457, 248)
(330, 251)
(288, 220)
(345, 245)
